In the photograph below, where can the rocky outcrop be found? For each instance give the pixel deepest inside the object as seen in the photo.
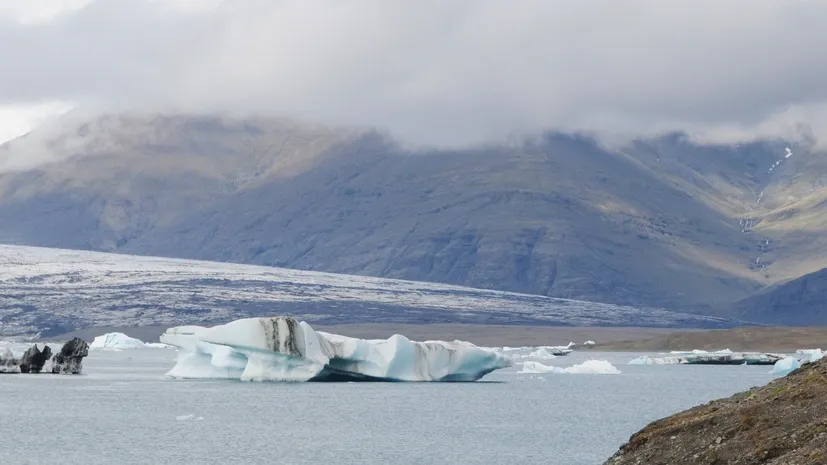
(784, 422)
(33, 359)
(70, 358)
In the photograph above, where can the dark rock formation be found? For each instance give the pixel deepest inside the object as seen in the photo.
(70, 358)
(33, 359)
(784, 422)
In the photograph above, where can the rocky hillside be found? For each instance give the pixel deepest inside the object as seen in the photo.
(784, 422)
(662, 222)
(805, 299)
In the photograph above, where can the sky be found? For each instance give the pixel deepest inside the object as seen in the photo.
(435, 72)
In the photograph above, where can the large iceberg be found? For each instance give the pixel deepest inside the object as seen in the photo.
(283, 349)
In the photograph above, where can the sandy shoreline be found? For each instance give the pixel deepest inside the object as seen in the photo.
(482, 335)
(610, 339)
(758, 339)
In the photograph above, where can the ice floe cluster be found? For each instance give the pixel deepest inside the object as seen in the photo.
(284, 349)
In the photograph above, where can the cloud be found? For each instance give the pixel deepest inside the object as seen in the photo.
(431, 71)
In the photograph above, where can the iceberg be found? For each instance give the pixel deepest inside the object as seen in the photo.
(116, 341)
(284, 349)
(591, 367)
(700, 352)
(542, 353)
(785, 366)
(710, 358)
(589, 343)
(810, 355)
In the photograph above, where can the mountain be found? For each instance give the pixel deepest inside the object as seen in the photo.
(802, 301)
(663, 222)
(51, 291)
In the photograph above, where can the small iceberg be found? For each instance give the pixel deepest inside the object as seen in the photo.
(116, 341)
(542, 353)
(810, 355)
(284, 349)
(785, 366)
(589, 367)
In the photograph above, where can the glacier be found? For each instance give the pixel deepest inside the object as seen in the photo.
(285, 349)
(49, 292)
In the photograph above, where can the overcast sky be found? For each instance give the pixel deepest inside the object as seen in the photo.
(430, 71)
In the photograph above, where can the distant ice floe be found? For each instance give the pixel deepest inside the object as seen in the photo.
(589, 367)
(283, 349)
(120, 341)
(785, 366)
(723, 357)
(116, 341)
(188, 417)
(589, 343)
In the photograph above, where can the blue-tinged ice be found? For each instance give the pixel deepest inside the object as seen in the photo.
(283, 349)
(785, 366)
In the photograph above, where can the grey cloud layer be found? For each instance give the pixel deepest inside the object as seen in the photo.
(441, 72)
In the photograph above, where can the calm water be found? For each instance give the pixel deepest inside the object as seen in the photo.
(123, 411)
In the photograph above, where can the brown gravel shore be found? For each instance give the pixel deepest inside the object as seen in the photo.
(784, 422)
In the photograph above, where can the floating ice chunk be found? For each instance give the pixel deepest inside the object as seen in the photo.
(514, 349)
(785, 366)
(592, 367)
(542, 353)
(283, 349)
(647, 360)
(589, 343)
(700, 351)
(116, 341)
(158, 345)
(789, 152)
(188, 417)
(723, 357)
(810, 355)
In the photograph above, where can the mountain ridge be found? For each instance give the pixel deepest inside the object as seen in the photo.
(662, 222)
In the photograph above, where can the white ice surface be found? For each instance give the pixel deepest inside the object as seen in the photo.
(542, 353)
(810, 355)
(785, 366)
(591, 367)
(282, 349)
(116, 341)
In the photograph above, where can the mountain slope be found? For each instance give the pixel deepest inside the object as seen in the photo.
(661, 222)
(802, 301)
(50, 291)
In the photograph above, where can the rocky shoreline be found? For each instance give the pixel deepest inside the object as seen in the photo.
(784, 422)
(68, 361)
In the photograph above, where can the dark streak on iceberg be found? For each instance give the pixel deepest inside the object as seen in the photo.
(283, 349)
